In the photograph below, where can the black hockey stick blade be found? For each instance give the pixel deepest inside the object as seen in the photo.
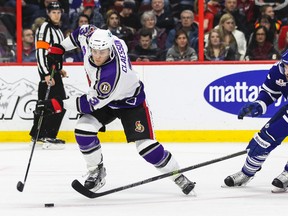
(90, 194)
(20, 186)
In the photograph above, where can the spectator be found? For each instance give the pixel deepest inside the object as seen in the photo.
(186, 4)
(29, 7)
(286, 44)
(8, 22)
(37, 23)
(272, 36)
(83, 19)
(283, 39)
(116, 28)
(28, 52)
(163, 15)
(181, 51)
(76, 54)
(117, 5)
(177, 6)
(148, 21)
(233, 38)
(230, 6)
(6, 53)
(128, 17)
(208, 16)
(91, 10)
(148, 2)
(260, 47)
(247, 7)
(268, 10)
(216, 49)
(279, 7)
(187, 23)
(214, 6)
(144, 51)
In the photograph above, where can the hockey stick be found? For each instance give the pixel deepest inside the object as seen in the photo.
(90, 194)
(20, 185)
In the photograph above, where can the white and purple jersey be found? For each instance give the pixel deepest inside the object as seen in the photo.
(274, 86)
(114, 83)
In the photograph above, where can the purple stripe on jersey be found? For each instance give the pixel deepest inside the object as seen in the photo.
(131, 101)
(87, 143)
(156, 156)
(75, 34)
(108, 78)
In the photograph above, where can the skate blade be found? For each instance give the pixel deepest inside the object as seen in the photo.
(192, 193)
(38, 145)
(50, 146)
(278, 190)
(236, 186)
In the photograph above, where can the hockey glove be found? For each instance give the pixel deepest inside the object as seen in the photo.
(55, 56)
(49, 107)
(252, 109)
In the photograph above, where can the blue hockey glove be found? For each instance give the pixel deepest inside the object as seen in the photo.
(49, 107)
(252, 109)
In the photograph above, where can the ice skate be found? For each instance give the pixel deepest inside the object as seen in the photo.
(53, 144)
(96, 179)
(185, 184)
(280, 183)
(38, 144)
(237, 179)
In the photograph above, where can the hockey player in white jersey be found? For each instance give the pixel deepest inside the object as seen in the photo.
(115, 92)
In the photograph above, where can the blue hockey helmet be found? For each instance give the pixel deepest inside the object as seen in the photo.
(284, 57)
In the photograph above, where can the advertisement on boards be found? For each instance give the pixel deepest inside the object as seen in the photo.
(180, 97)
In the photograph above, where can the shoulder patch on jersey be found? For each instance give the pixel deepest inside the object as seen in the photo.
(105, 87)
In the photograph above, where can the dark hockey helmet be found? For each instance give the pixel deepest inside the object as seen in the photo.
(54, 6)
(284, 57)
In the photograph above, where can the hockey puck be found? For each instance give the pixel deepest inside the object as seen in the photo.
(49, 205)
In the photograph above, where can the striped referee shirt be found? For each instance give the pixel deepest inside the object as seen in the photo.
(46, 35)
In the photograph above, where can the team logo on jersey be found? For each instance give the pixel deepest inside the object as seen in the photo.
(105, 87)
(281, 83)
(139, 127)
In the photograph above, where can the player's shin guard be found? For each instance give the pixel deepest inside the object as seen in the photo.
(90, 147)
(253, 164)
(259, 148)
(154, 153)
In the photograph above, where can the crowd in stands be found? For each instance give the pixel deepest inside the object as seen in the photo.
(160, 30)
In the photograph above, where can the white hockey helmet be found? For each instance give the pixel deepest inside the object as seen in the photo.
(101, 39)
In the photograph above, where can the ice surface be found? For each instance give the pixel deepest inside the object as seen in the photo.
(51, 173)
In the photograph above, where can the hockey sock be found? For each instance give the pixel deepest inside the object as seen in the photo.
(253, 164)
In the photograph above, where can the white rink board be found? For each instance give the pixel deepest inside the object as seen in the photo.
(174, 93)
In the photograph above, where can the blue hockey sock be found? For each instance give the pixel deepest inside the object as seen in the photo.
(253, 164)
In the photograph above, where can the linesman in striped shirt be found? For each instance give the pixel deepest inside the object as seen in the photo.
(47, 34)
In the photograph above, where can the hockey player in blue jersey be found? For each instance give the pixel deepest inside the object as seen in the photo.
(273, 132)
(115, 92)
